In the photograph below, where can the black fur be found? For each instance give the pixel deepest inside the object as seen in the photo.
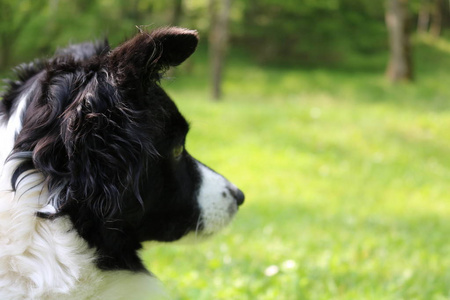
(102, 131)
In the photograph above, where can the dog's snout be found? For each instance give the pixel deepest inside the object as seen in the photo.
(218, 200)
(237, 194)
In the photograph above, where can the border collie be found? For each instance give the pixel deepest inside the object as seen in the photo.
(92, 164)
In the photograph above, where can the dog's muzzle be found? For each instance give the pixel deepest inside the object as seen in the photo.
(218, 200)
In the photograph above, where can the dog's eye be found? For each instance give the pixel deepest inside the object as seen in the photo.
(177, 151)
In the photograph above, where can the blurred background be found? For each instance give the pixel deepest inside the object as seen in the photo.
(333, 116)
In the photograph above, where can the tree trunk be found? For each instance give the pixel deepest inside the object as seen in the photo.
(423, 21)
(177, 13)
(436, 21)
(218, 42)
(397, 21)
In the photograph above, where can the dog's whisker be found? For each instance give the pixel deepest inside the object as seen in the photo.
(197, 227)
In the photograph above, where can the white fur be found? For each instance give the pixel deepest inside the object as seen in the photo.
(9, 130)
(46, 259)
(217, 205)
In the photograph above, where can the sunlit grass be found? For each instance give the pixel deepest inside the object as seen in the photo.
(347, 184)
(347, 180)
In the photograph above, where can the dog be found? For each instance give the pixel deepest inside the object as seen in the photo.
(93, 163)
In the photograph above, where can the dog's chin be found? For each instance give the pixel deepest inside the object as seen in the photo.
(201, 233)
(195, 237)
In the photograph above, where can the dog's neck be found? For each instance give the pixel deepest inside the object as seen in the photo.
(46, 259)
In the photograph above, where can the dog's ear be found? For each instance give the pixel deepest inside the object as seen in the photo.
(106, 147)
(146, 54)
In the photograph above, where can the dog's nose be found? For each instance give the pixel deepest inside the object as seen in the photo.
(237, 194)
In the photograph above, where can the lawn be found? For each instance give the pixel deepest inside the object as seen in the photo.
(347, 180)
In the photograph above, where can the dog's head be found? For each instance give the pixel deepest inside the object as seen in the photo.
(111, 146)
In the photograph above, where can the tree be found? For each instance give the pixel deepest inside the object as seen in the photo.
(431, 16)
(397, 20)
(423, 20)
(436, 21)
(177, 12)
(218, 42)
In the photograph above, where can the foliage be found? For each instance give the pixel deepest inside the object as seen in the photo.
(313, 32)
(346, 179)
(304, 32)
(39, 27)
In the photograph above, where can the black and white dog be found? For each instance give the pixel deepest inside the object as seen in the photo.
(93, 164)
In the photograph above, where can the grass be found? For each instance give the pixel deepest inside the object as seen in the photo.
(346, 177)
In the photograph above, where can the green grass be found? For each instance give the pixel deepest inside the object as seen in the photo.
(347, 180)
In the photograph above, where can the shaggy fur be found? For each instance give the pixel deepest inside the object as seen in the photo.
(93, 164)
